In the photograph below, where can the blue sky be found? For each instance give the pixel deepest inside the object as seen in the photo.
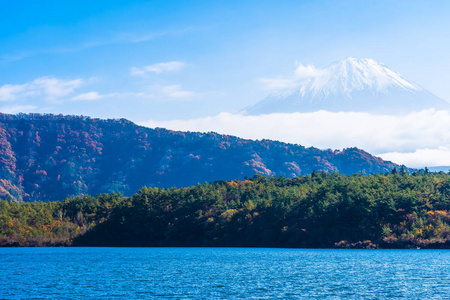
(159, 61)
(223, 49)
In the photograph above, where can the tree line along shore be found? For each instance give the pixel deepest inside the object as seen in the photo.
(320, 210)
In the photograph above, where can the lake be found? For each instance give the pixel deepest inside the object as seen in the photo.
(222, 273)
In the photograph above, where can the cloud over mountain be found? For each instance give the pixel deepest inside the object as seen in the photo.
(405, 139)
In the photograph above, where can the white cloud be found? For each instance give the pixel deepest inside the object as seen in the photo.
(53, 88)
(176, 91)
(137, 71)
(163, 93)
(158, 68)
(49, 88)
(155, 92)
(308, 71)
(301, 74)
(421, 157)
(118, 38)
(10, 91)
(17, 109)
(90, 96)
(384, 135)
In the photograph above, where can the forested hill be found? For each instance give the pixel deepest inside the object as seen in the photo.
(395, 210)
(51, 157)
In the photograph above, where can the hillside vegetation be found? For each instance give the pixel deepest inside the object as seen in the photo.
(394, 210)
(49, 157)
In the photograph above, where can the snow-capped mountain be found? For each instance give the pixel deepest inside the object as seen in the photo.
(353, 84)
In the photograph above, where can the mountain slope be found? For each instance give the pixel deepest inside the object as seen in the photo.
(47, 157)
(351, 85)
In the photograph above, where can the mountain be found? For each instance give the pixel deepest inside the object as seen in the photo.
(49, 157)
(361, 85)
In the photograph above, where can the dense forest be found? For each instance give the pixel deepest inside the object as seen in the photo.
(392, 210)
(51, 157)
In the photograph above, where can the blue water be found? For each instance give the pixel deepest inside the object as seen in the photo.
(222, 273)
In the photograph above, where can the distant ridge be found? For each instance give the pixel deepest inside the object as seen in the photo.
(353, 84)
(51, 157)
(445, 169)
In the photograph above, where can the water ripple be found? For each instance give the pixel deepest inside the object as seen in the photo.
(222, 273)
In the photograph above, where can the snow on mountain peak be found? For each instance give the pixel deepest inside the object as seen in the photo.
(356, 74)
(353, 84)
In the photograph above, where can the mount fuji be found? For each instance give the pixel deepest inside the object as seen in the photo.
(353, 84)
